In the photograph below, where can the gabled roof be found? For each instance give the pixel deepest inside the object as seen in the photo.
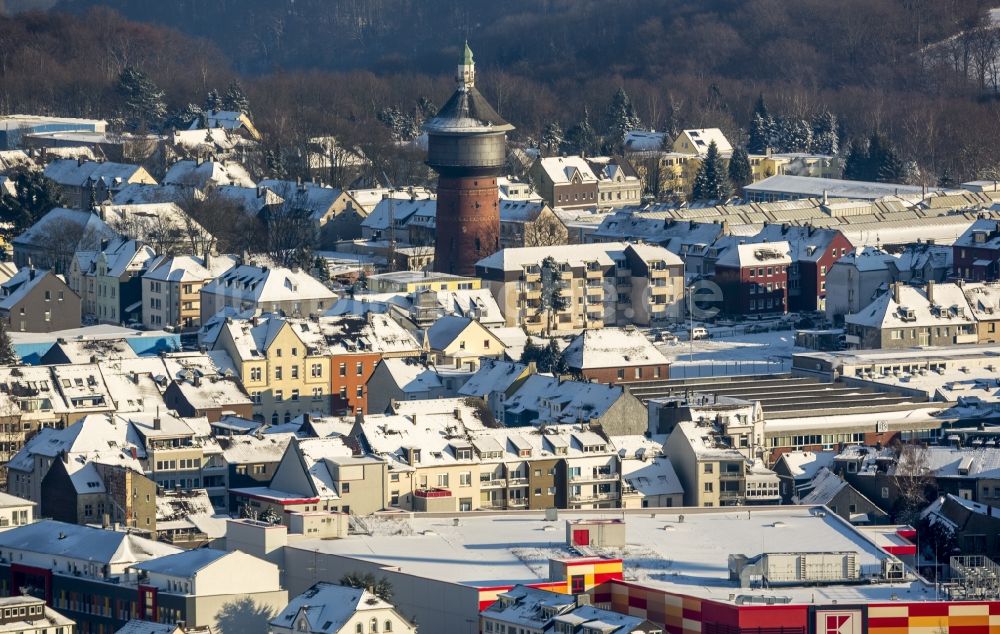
(21, 284)
(61, 220)
(611, 348)
(949, 308)
(261, 285)
(700, 139)
(564, 169)
(183, 564)
(70, 172)
(193, 173)
(49, 537)
(825, 487)
(446, 330)
(492, 376)
(327, 608)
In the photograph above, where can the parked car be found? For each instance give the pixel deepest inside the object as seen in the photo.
(666, 336)
(700, 333)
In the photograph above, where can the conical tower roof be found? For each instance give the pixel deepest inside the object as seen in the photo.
(467, 111)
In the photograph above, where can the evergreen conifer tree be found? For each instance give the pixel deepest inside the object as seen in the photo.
(712, 182)
(622, 117)
(552, 137)
(761, 129)
(581, 138)
(825, 137)
(235, 99)
(142, 100)
(7, 354)
(34, 196)
(740, 171)
(856, 167)
(213, 101)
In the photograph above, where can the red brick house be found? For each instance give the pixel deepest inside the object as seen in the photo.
(977, 252)
(813, 251)
(754, 278)
(615, 356)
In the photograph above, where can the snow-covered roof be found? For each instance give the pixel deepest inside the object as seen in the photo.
(577, 255)
(813, 187)
(699, 140)
(645, 140)
(15, 289)
(611, 348)
(984, 233)
(764, 253)
(564, 169)
(260, 285)
(825, 487)
(652, 476)
(689, 557)
(327, 608)
(252, 200)
(60, 222)
(401, 210)
(312, 197)
(201, 174)
(147, 193)
(805, 464)
(492, 376)
(558, 401)
(445, 330)
(184, 564)
(70, 172)
(188, 268)
(948, 307)
(49, 537)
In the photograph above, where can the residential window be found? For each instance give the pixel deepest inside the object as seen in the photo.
(255, 374)
(295, 371)
(709, 487)
(709, 467)
(277, 373)
(345, 487)
(279, 395)
(317, 370)
(278, 352)
(465, 479)
(295, 395)
(295, 352)
(621, 373)
(360, 391)
(359, 368)
(343, 369)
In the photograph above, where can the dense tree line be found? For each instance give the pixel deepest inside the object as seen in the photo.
(367, 71)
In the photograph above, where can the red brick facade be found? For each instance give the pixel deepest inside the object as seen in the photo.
(468, 222)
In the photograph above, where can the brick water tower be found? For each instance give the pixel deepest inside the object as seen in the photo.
(466, 146)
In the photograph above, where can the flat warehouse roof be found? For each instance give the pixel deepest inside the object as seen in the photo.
(689, 557)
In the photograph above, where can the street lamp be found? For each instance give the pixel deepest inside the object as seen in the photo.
(690, 294)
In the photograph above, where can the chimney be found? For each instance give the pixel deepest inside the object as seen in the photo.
(930, 291)
(157, 423)
(826, 197)
(80, 161)
(895, 292)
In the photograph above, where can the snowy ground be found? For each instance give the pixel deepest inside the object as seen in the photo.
(759, 353)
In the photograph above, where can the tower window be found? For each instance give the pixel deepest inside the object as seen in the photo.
(478, 247)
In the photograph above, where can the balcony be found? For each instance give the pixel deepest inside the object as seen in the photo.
(594, 273)
(517, 482)
(592, 497)
(432, 493)
(594, 477)
(492, 484)
(517, 503)
(967, 338)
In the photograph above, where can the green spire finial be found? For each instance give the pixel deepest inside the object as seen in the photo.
(467, 59)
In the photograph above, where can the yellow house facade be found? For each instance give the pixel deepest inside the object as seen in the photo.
(284, 377)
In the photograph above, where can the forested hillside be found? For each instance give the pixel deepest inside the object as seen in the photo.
(355, 67)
